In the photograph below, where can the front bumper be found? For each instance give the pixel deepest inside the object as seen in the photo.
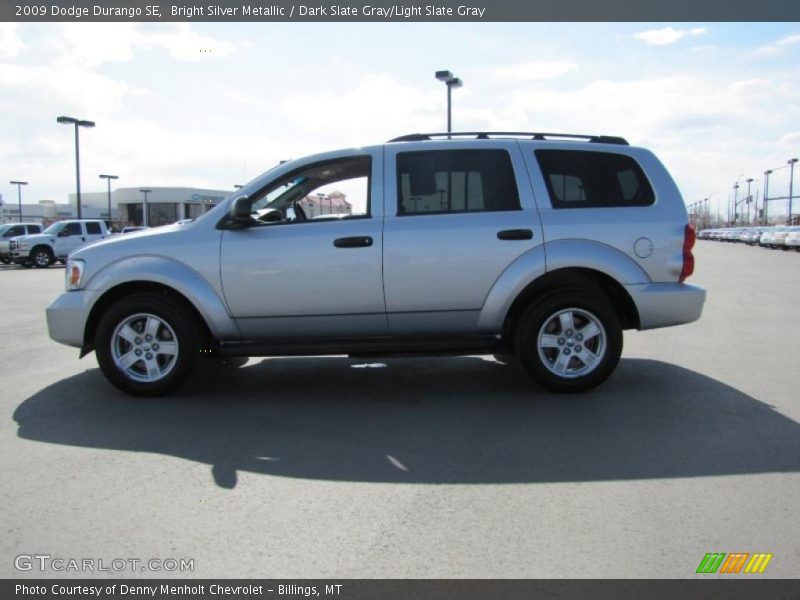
(666, 304)
(67, 316)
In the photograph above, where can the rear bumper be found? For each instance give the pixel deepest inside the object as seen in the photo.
(666, 304)
(67, 316)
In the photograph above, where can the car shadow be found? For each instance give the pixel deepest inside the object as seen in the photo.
(445, 420)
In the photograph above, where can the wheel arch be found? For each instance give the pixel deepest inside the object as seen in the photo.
(41, 245)
(130, 288)
(582, 278)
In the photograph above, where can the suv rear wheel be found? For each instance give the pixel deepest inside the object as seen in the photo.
(147, 344)
(570, 340)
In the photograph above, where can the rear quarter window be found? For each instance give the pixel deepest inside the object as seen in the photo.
(93, 228)
(588, 179)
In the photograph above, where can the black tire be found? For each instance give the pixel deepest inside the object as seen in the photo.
(41, 257)
(174, 316)
(5, 261)
(541, 315)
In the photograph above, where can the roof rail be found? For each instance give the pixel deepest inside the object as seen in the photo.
(485, 135)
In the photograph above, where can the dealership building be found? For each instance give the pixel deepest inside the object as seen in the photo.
(164, 205)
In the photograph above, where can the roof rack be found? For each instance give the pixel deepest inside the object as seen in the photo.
(485, 135)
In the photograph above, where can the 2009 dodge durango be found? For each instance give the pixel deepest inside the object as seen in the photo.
(543, 245)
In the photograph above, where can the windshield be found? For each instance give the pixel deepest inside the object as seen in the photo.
(54, 228)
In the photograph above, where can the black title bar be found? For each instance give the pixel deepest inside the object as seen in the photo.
(401, 11)
(707, 588)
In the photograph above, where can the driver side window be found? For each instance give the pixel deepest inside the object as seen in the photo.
(325, 191)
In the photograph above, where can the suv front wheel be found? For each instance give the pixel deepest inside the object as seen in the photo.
(570, 341)
(146, 344)
(41, 257)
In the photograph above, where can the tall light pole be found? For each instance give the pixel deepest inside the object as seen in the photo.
(108, 178)
(791, 163)
(452, 82)
(766, 194)
(735, 202)
(145, 191)
(749, 199)
(78, 123)
(705, 213)
(19, 185)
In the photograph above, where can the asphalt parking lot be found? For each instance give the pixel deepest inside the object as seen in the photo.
(456, 467)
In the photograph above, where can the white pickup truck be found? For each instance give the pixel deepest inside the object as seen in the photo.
(56, 242)
(12, 230)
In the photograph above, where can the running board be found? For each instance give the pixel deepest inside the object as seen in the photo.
(365, 347)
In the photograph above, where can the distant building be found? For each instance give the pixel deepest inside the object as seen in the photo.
(334, 203)
(165, 205)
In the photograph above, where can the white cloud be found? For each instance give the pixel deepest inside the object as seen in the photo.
(368, 110)
(93, 44)
(534, 71)
(790, 139)
(11, 43)
(184, 43)
(778, 46)
(666, 35)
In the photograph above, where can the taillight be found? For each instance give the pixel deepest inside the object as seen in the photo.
(688, 258)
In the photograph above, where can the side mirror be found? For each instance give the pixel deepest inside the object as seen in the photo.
(240, 210)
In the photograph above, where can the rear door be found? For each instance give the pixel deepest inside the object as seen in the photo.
(458, 213)
(94, 231)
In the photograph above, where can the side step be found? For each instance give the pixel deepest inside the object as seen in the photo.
(365, 347)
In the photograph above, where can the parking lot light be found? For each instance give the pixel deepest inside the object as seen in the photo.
(19, 185)
(145, 191)
(109, 178)
(791, 164)
(452, 82)
(767, 173)
(77, 123)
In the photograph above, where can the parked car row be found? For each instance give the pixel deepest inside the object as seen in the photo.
(27, 245)
(783, 237)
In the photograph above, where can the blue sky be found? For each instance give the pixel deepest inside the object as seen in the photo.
(211, 105)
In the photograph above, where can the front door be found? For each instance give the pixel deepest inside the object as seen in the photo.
(69, 238)
(309, 266)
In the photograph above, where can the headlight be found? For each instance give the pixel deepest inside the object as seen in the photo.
(74, 274)
(12, 245)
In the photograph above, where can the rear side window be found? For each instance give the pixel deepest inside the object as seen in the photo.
(92, 228)
(34, 229)
(454, 181)
(585, 179)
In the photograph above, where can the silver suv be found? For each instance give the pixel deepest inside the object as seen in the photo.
(543, 245)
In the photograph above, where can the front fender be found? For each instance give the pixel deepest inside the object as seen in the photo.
(173, 274)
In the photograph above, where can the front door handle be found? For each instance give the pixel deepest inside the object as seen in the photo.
(515, 234)
(359, 241)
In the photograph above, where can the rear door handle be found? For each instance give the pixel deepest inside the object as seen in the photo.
(359, 241)
(515, 234)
